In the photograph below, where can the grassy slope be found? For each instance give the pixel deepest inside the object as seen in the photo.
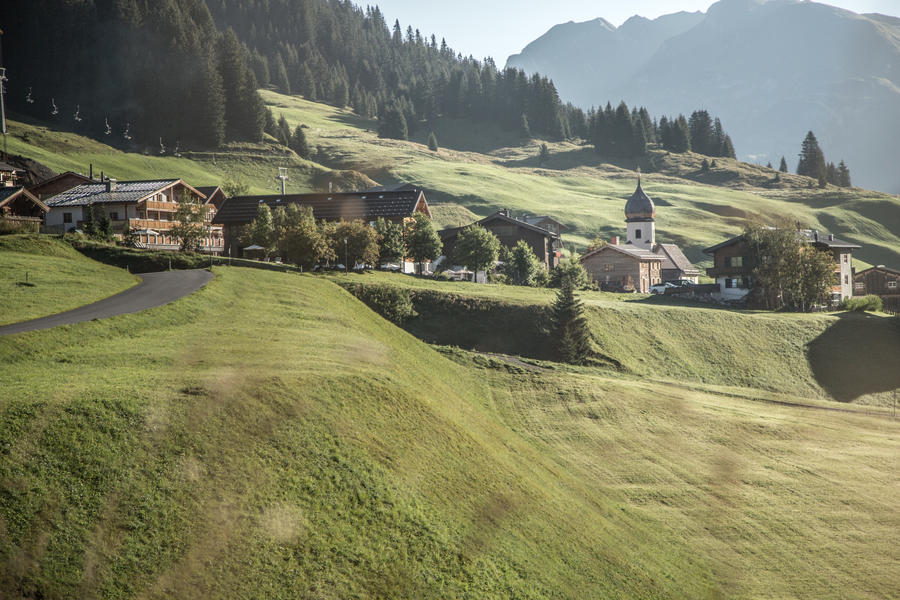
(187, 455)
(657, 338)
(62, 278)
(482, 169)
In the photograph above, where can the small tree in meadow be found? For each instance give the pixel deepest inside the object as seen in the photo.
(298, 142)
(432, 142)
(522, 266)
(570, 330)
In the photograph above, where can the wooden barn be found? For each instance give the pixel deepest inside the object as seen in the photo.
(879, 281)
(545, 244)
(19, 206)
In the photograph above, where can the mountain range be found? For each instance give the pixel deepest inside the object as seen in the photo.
(771, 69)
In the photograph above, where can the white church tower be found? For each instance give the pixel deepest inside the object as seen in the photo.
(639, 213)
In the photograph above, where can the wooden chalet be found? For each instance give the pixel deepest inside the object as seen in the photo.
(545, 244)
(9, 175)
(546, 222)
(623, 268)
(145, 208)
(732, 268)
(880, 281)
(367, 206)
(59, 184)
(18, 205)
(214, 195)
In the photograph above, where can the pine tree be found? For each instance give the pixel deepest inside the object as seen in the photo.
(831, 174)
(393, 124)
(543, 155)
(569, 326)
(783, 166)
(812, 159)
(298, 142)
(843, 175)
(727, 147)
(703, 140)
(432, 142)
(283, 132)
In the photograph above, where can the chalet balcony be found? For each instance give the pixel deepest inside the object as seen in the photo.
(729, 271)
(163, 206)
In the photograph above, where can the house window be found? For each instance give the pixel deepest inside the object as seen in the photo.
(859, 285)
(844, 257)
(734, 261)
(608, 267)
(637, 234)
(113, 216)
(67, 217)
(892, 285)
(846, 279)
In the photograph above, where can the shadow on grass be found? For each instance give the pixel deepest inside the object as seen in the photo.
(858, 355)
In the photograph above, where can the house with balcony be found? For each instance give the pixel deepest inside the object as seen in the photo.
(21, 207)
(145, 209)
(733, 266)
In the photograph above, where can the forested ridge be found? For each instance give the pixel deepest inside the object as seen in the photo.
(170, 75)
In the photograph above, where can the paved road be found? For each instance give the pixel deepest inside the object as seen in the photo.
(155, 290)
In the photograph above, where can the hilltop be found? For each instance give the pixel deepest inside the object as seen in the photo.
(337, 456)
(482, 169)
(771, 69)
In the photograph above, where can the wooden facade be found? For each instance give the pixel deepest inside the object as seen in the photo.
(21, 206)
(623, 269)
(59, 184)
(545, 244)
(879, 281)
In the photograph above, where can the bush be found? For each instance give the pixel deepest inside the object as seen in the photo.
(863, 303)
(8, 226)
(571, 269)
(392, 303)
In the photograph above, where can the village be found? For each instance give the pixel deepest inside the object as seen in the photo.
(143, 213)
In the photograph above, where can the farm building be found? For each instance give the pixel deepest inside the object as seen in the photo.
(545, 244)
(623, 268)
(879, 281)
(20, 206)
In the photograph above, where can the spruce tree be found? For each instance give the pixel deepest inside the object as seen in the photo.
(783, 166)
(393, 125)
(570, 331)
(283, 132)
(432, 142)
(543, 155)
(843, 175)
(298, 142)
(812, 159)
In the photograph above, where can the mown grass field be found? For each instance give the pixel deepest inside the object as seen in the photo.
(480, 169)
(269, 436)
(849, 357)
(59, 278)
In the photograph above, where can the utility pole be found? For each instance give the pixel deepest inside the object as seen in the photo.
(283, 176)
(2, 98)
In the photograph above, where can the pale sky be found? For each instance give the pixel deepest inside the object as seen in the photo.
(498, 28)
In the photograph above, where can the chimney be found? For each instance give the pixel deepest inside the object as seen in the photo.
(110, 185)
(91, 170)
(614, 240)
(101, 175)
(329, 187)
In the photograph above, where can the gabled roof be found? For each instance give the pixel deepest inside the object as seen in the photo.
(7, 168)
(539, 218)
(878, 268)
(211, 191)
(497, 216)
(367, 206)
(8, 194)
(674, 258)
(806, 235)
(36, 188)
(638, 253)
(125, 191)
(395, 187)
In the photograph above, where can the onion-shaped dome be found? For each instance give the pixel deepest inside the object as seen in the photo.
(639, 207)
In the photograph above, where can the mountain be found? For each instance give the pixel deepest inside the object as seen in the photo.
(772, 70)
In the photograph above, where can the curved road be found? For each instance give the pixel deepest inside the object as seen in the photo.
(155, 290)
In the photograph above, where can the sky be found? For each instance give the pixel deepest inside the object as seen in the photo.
(498, 28)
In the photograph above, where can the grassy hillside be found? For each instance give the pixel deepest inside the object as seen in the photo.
(269, 436)
(59, 278)
(480, 169)
(670, 340)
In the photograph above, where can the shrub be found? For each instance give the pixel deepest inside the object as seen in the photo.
(863, 303)
(8, 226)
(392, 303)
(571, 269)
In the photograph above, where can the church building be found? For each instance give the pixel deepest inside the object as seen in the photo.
(640, 262)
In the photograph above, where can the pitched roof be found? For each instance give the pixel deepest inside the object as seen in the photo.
(638, 253)
(497, 216)
(395, 187)
(674, 258)
(126, 191)
(55, 178)
(878, 268)
(6, 167)
(210, 191)
(807, 235)
(348, 206)
(8, 194)
(538, 218)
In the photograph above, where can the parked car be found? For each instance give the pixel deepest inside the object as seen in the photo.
(660, 288)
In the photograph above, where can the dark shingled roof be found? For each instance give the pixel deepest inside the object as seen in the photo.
(126, 191)
(497, 216)
(6, 167)
(639, 207)
(807, 235)
(367, 206)
(8, 193)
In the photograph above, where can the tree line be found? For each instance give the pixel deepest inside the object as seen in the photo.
(812, 164)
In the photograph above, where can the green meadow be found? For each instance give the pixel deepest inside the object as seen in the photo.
(269, 436)
(480, 169)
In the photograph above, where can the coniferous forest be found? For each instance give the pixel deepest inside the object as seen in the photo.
(183, 74)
